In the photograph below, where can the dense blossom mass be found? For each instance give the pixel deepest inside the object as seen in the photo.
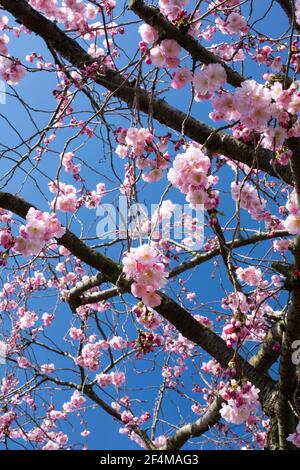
(40, 228)
(149, 224)
(146, 266)
(241, 402)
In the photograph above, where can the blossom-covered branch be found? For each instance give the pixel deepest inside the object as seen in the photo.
(169, 309)
(214, 140)
(153, 17)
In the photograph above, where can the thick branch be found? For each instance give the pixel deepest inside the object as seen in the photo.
(165, 28)
(100, 296)
(266, 355)
(75, 293)
(216, 142)
(197, 428)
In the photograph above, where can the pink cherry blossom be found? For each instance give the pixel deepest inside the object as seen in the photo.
(145, 266)
(281, 245)
(297, 11)
(40, 228)
(172, 8)
(113, 323)
(148, 33)
(166, 54)
(11, 70)
(27, 320)
(104, 380)
(292, 223)
(242, 402)
(47, 318)
(181, 77)
(118, 379)
(234, 24)
(254, 104)
(251, 275)
(118, 343)
(248, 199)
(90, 356)
(77, 401)
(295, 437)
(66, 200)
(209, 80)
(76, 333)
(189, 174)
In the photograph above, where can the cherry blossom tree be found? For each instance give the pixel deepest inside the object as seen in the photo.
(190, 342)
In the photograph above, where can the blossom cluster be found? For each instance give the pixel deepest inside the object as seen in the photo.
(139, 145)
(292, 222)
(190, 174)
(67, 199)
(146, 266)
(11, 69)
(248, 198)
(74, 14)
(76, 402)
(67, 161)
(237, 302)
(147, 317)
(166, 54)
(89, 357)
(295, 437)
(255, 105)
(241, 402)
(208, 80)
(139, 140)
(249, 312)
(235, 331)
(27, 319)
(250, 275)
(115, 378)
(40, 228)
(233, 24)
(172, 8)
(253, 102)
(146, 343)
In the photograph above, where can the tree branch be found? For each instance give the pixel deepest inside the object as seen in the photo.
(165, 28)
(238, 243)
(196, 428)
(266, 356)
(215, 141)
(185, 323)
